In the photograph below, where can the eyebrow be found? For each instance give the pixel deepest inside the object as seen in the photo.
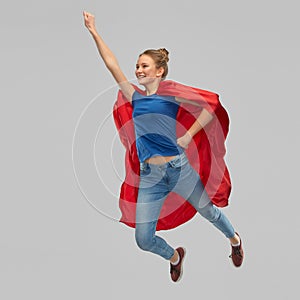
(143, 63)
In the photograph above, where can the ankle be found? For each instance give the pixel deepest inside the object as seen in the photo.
(175, 259)
(235, 241)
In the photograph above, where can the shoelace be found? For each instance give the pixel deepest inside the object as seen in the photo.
(174, 271)
(236, 251)
(175, 268)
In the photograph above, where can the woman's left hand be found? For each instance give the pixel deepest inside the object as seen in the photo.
(184, 140)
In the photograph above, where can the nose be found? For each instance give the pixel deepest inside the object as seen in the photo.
(138, 72)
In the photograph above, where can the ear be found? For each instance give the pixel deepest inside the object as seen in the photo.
(160, 72)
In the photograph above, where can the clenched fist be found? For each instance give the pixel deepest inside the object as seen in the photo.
(184, 140)
(89, 21)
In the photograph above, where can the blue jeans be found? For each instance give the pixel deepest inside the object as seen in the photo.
(156, 182)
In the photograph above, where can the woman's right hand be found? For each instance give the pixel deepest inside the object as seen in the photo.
(89, 21)
(108, 57)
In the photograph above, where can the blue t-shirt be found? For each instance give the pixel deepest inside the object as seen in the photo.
(154, 120)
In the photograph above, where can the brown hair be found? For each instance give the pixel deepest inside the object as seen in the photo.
(160, 57)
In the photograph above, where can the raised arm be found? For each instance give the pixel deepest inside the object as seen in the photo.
(108, 57)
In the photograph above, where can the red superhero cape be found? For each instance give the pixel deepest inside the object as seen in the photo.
(205, 153)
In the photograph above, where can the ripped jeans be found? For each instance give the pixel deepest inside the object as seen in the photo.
(156, 182)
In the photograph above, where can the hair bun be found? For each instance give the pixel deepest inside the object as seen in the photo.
(165, 53)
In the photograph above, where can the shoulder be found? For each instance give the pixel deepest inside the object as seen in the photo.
(136, 95)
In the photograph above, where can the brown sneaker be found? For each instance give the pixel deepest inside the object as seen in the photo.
(177, 270)
(237, 254)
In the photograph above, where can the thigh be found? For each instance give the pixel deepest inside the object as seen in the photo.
(189, 185)
(151, 196)
(149, 204)
(199, 198)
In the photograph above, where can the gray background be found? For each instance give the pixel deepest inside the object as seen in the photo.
(62, 242)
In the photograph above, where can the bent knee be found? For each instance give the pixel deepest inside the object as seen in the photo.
(143, 242)
(210, 212)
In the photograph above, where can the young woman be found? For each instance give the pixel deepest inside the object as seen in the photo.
(164, 167)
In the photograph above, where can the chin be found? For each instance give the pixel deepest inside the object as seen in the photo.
(141, 81)
(145, 80)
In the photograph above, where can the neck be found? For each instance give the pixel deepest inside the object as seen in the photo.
(151, 88)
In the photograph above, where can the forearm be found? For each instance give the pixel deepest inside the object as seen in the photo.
(204, 118)
(106, 54)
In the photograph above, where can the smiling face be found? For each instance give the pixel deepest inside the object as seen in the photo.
(146, 70)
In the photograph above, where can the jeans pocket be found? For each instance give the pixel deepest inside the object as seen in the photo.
(144, 168)
(179, 161)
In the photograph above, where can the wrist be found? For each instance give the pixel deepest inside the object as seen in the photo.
(93, 32)
(189, 134)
